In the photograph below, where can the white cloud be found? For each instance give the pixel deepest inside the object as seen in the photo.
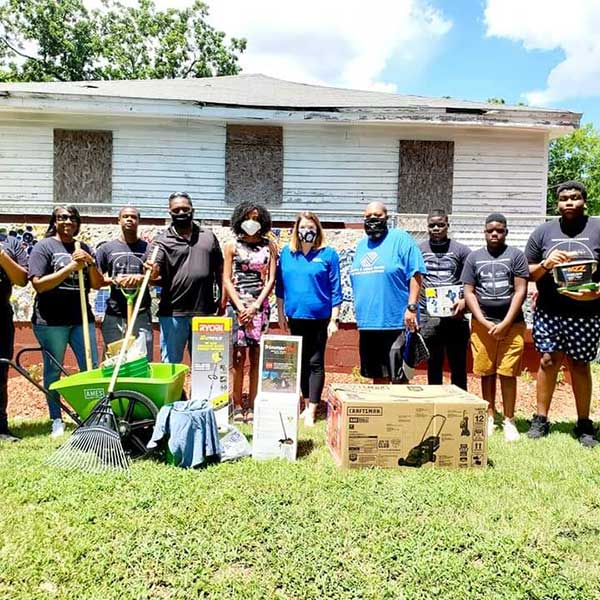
(346, 43)
(571, 26)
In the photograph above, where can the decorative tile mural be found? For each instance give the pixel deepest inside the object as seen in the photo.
(343, 240)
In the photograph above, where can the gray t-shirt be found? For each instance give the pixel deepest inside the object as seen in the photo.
(493, 278)
(582, 237)
(444, 264)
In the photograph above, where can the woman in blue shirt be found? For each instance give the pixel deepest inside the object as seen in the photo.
(309, 294)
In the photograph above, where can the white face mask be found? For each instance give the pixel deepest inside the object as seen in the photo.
(250, 226)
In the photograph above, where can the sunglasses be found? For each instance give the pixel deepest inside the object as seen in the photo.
(63, 218)
(437, 225)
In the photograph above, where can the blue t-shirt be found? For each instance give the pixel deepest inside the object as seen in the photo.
(380, 276)
(309, 284)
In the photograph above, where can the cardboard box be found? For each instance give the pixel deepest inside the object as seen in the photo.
(277, 404)
(419, 426)
(275, 426)
(211, 356)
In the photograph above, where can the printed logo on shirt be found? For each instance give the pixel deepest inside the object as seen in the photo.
(127, 263)
(577, 248)
(442, 269)
(59, 261)
(369, 259)
(495, 278)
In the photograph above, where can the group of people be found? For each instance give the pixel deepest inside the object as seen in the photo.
(390, 275)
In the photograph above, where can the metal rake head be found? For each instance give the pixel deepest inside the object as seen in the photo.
(95, 446)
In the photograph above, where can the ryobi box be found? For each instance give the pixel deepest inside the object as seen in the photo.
(211, 356)
(416, 426)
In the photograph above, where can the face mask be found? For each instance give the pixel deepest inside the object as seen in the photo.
(307, 235)
(376, 227)
(250, 227)
(182, 219)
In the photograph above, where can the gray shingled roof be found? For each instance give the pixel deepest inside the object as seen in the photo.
(257, 91)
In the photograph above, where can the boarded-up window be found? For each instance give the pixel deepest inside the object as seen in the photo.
(254, 164)
(82, 166)
(426, 170)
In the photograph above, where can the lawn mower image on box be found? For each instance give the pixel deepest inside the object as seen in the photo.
(425, 450)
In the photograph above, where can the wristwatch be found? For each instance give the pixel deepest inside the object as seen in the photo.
(412, 308)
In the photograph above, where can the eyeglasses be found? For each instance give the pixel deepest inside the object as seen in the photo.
(179, 195)
(181, 210)
(437, 225)
(63, 218)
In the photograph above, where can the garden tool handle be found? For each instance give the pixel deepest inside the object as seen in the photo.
(130, 323)
(129, 310)
(84, 316)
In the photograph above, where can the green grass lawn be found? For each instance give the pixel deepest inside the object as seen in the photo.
(526, 527)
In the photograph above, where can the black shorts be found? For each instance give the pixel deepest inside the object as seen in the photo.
(374, 348)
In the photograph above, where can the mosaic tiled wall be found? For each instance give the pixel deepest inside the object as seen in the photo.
(344, 241)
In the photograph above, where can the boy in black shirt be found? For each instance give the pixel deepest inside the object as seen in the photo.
(121, 261)
(495, 280)
(444, 259)
(566, 326)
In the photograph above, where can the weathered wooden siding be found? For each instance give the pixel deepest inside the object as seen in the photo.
(26, 158)
(342, 167)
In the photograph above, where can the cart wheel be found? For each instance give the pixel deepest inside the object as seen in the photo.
(136, 415)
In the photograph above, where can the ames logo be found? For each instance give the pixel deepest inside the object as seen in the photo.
(211, 328)
(93, 393)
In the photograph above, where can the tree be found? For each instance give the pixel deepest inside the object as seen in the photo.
(496, 101)
(46, 40)
(575, 157)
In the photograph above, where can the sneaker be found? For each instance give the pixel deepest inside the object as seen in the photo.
(58, 428)
(539, 428)
(7, 436)
(309, 419)
(490, 425)
(586, 434)
(511, 434)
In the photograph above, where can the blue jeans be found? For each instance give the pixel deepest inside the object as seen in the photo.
(175, 333)
(55, 339)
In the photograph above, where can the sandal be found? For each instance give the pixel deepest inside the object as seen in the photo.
(238, 415)
(249, 416)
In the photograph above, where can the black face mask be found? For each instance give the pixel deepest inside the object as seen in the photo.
(307, 235)
(376, 227)
(182, 219)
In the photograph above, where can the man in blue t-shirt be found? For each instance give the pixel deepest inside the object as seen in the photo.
(121, 261)
(386, 276)
(13, 271)
(566, 325)
(444, 334)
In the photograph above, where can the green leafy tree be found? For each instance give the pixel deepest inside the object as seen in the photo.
(496, 101)
(46, 40)
(575, 157)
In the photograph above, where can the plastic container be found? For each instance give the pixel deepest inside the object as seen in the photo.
(136, 368)
(574, 274)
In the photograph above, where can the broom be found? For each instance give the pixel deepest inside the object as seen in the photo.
(95, 446)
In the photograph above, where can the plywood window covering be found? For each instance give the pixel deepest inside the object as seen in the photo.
(254, 164)
(82, 166)
(426, 171)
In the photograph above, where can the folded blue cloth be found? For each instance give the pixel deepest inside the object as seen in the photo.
(192, 430)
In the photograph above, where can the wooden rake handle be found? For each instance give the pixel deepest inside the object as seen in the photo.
(136, 309)
(84, 316)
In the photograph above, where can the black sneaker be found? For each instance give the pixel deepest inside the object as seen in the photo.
(539, 428)
(586, 434)
(7, 436)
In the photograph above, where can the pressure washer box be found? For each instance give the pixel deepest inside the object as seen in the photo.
(211, 356)
(418, 426)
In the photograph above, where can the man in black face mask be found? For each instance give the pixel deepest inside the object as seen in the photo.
(386, 275)
(188, 265)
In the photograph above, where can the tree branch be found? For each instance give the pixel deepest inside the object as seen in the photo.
(189, 69)
(47, 65)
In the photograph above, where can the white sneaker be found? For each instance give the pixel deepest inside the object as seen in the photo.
(511, 433)
(490, 425)
(58, 428)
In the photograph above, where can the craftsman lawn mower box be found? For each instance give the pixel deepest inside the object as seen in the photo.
(419, 426)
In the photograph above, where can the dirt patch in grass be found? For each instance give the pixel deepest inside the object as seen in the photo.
(26, 402)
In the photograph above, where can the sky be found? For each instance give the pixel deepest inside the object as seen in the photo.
(541, 52)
